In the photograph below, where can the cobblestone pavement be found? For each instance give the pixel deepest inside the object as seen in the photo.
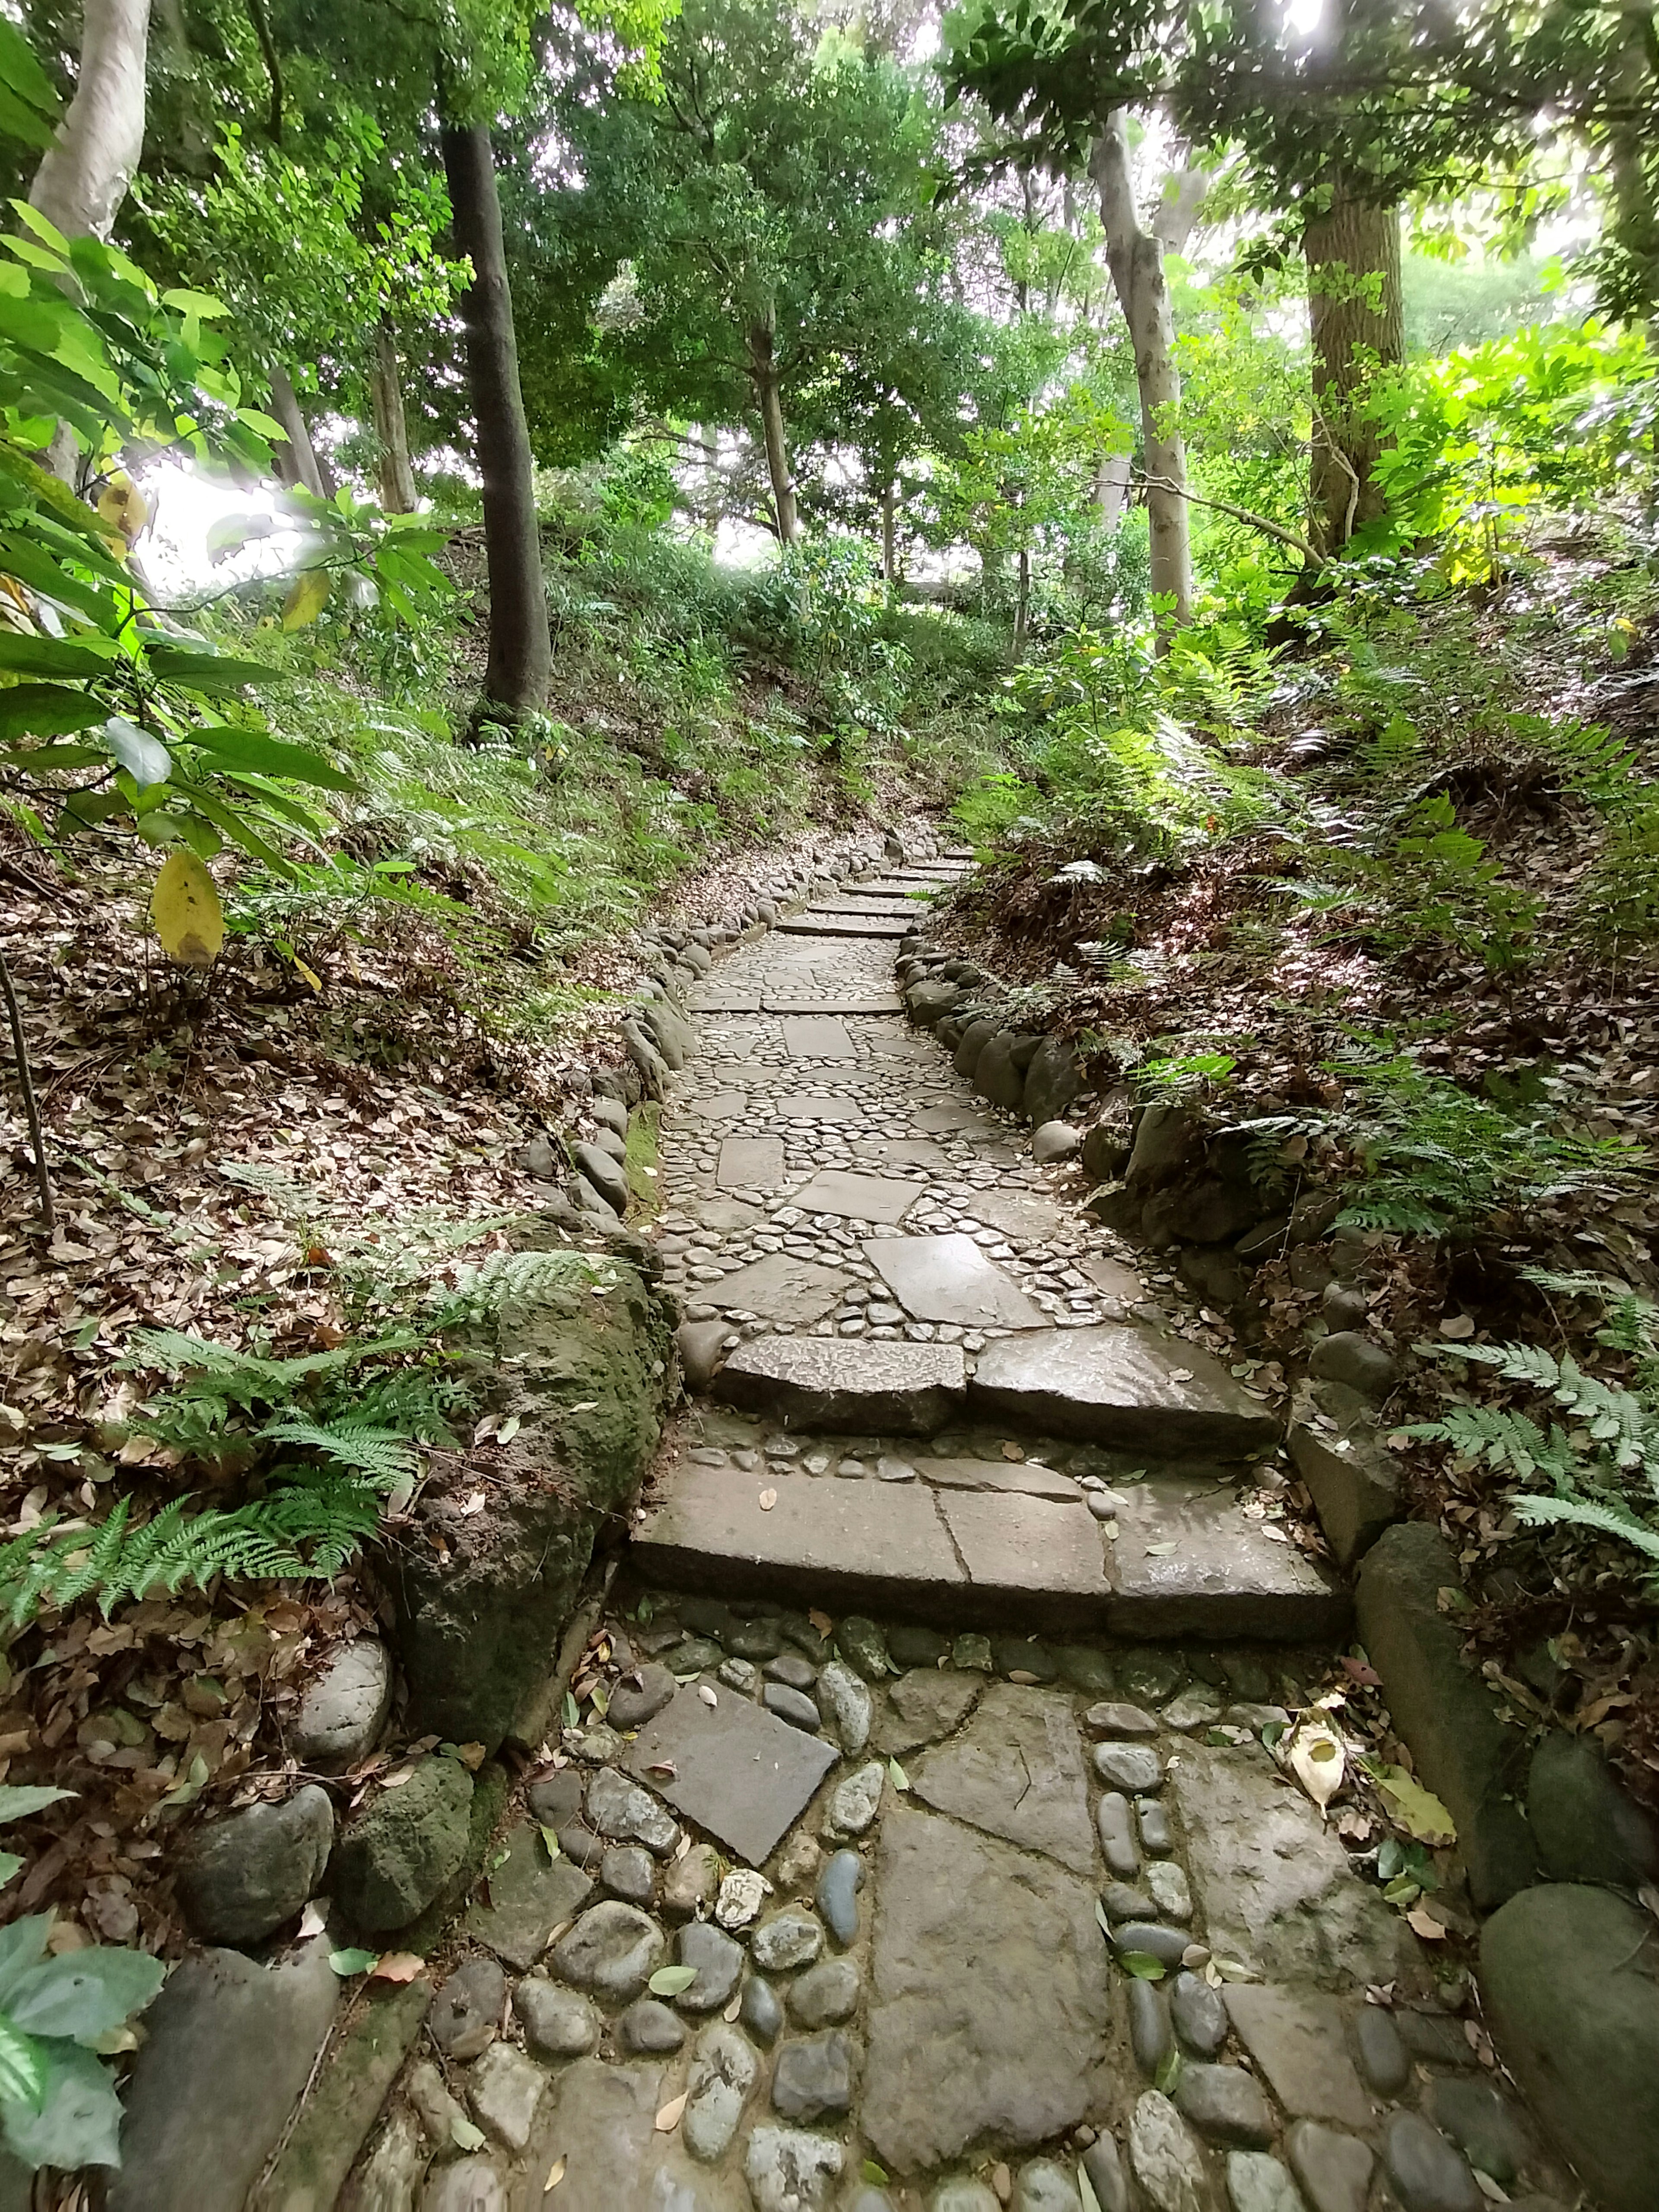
(925, 1844)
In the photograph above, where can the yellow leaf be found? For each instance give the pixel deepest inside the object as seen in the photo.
(554, 2176)
(307, 597)
(1418, 1810)
(1426, 1925)
(1318, 1760)
(309, 974)
(123, 510)
(398, 1966)
(185, 906)
(669, 2118)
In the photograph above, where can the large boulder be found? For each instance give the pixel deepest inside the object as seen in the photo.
(1352, 1477)
(1570, 1986)
(1585, 1826)
(1052, 1081)
(975, 1038)
(1442, 1710)
(342, 1713)
(482, 1596)
(999, 1072)
(239, 1878)
(1166, 1140)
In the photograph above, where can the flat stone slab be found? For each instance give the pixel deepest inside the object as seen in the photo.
(857, 1197)
(948, 1119)
(988, 2010)
(1016, 1771)
(1017, 1547)
(737, 1771)
(1274, 1886)
(780, 1288)
(823, 1539)
(903, 1152)
(950, 1278)
(751, 1164)
(866, 1385)
(810, 1106)
(1029, 1219)
(818, 923)
(1299, 2041)
(816, 1037)
(898, 905)
(528, 1898)
(722, 1000)
(1125, 1387)
(1030, 1477)
(717, 1106)
(1187, 1561)
(601, 2121)
(835, 1002)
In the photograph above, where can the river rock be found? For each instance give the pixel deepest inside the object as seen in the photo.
(1199, 2015)
(723, 2070)
(1482, 2123)
(557, 2023)
(1383, 2059)
(471, 2185)
(689, 1884)
(1054, 1140)
(633, 1703)
(1586, 1827)
(814, 2077)
(1569, 1982)
(760, 2012)
(1148, 2025)
(836, 1896)
(718, 1960)
(845, 1702)
(864, 1647)
(787, 1939)
(825, 1995)
(504, 2089)
(466, 2013)
(1133, 1767)
(1355, 1362)
(1042, 2186)
(396, 1857)
(649, 2027)
(1167, 2161)
(1428, 2173)
(792, 1706)
(1104, 2167)
(1333, 2169)
(613, 1950)
(342, 1714)
(622, 1811)
(1225, 2104)
(789, 2170)
(240, 1877)
(857, 1800)
(1257, 2183)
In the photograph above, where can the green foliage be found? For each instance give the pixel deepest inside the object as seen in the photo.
(1601, 1463)
(1437, 1159)
(58, 2103)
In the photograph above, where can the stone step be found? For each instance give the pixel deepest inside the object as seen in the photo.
(1125, 1386)
(853, 1385)
(818, 923)
(1184, 1560)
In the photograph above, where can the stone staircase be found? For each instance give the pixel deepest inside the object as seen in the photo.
(933, 1387)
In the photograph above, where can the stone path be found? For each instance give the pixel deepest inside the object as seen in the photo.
(919, 1843)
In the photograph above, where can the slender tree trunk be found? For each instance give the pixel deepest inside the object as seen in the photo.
(889, 536)
(1136, 261)
(764, 375)
(520, 665)
(299, 463)
(397, 493)
(83, 176)
(1021, 600)
(1357, 316)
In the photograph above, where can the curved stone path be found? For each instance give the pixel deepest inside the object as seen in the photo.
(934, 1739)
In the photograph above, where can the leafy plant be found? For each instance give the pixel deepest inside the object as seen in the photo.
(1601, 1463)
(1437, 1158)
(57, 2015)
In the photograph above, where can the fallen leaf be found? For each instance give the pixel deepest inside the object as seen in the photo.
(587, 1406)
(347, 1963)
(822, 1622)
(463, 2133)
(554, 2176)
(670, 1981)
(669, 2118)
(666, 1766)
(733, 2008)
(1318, 1761)
(1160, 1550)
(1426, 1925)
(1013, 1451)
(1418, 1810)
(769, 1498)
(707, 1695)
(313, 1921)
(896, 1775)
(398, 1966)
(1458, 1327)
(1359, 1670)
(1180, 1375)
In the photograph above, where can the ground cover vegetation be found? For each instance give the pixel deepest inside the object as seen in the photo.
(1214, 460)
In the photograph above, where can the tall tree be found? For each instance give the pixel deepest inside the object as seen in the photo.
(84, 174)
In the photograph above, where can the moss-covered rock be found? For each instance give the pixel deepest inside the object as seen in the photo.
(400, 1854)
(581, 1355)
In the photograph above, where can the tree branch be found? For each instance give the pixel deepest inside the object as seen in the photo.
(31, 1108)
(261, 21)
(1238, 513)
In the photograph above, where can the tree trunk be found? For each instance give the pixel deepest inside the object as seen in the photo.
(1357, 316)
(520, 664)
(298, 463)
(397, 493)
(83, 176)
(763, 374)
(1136, 261)
(1022, 601)
(889, 536)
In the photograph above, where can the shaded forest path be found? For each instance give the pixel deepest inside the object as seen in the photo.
(948, 1637)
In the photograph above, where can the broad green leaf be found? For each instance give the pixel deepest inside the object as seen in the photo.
(23, 76)
(202, 305)
(50, 656)
(669, 1981)
(874, 2174)
(1418, 1810)
(10, 1866)
(189, 919)
(463, 2134)
(46, 710)
(572, 1715)
(307, 597)
(205, 672)
(551, 1842)
(18, 1800)
(1168, 2072)
(22, 2066)
(251, 749)
(44, 760)
(85, 1993)
(79, 2122)
(145, 758)
(347, 1963)
(241, 831)
(896, 1775)
(1141, 1964)
(22, 1946)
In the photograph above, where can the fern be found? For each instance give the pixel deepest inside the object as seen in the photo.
(309, 1530)
(383, 1455)
(1610, 1519)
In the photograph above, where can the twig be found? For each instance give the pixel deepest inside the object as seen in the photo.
(31, 1110)
(1238, 513)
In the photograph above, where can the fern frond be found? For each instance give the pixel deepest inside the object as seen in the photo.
(1503, 1438)
(1515, 1363)
(1587, 1513)
(384, 1454)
